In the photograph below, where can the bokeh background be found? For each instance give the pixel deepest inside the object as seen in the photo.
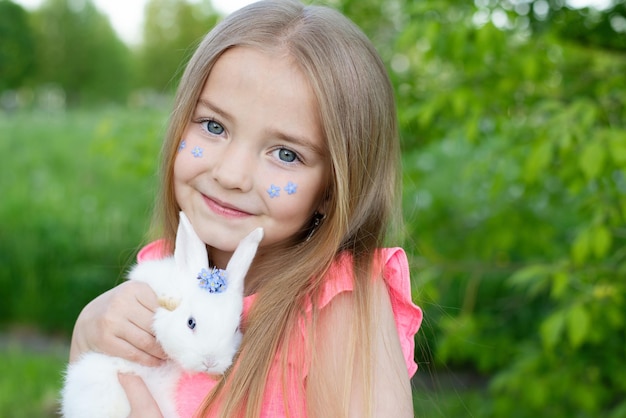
(513, 123)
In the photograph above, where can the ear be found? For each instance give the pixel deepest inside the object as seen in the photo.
(241, 259)
(322, 207)
(190, 252)
(323, 201)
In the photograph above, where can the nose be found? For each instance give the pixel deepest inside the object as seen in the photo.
(234, 167)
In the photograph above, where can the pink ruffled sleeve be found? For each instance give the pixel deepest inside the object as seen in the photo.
(395, 271)
(408, 316)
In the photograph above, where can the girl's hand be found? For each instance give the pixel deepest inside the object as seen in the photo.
(142, 404)
(119, 323)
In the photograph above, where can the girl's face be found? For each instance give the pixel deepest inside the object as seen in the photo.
(253, 154)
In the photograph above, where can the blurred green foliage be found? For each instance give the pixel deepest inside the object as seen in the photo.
(17, 56)
(30, 381)
(78, 50)
(77, 190)
(513, 116)
(513, 122)
(515, 200)
(172, 30)
(70, 47)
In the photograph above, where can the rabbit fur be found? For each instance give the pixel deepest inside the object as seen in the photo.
(198, 330)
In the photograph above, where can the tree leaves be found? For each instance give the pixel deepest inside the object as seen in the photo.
(78, 51)
(552, 328)
(534, 207)
(17, 52)
(594, 241)
(578, 323)
(592, 159)
(538, 161)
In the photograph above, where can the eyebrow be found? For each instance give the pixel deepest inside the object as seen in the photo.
(215, 108)
(290, 138)
(298, 140)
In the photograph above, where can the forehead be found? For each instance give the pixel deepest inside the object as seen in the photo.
(274, 70)
(267, 87)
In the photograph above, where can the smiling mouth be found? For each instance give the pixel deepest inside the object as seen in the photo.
(224, 209)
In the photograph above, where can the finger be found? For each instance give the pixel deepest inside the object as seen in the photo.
(119, 323)
(142, 318)
(141, 401)
(134, 329)
(124, 349)
(141, 333)
(137, 340)
(144, 344)
(147, 298)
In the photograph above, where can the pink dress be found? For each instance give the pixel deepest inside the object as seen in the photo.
(193, 387)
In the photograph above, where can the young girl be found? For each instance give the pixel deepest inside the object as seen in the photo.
(284, 119)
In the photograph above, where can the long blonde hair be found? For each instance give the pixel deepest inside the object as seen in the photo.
(357, 111)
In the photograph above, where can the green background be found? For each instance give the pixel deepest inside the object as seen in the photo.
(513, 123)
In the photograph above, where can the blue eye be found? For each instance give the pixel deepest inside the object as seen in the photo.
(191, 323)
(213, 127)
(287, 155)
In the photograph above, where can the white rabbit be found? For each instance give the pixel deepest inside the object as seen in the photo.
(197, 326)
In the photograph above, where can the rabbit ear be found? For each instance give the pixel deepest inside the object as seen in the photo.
(242, 258)
(190, 252)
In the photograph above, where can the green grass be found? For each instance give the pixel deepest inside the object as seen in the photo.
(30, 381)
(32, 377)
(445, 395)
(449, 403)
(77, 189)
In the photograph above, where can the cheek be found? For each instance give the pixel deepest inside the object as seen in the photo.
(181, 169)
(301, 191)
(191, 149)
(291, 199)
(190, 160)
(275, 190)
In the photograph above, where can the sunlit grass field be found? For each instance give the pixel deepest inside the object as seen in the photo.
(30, 379)
(77, 189)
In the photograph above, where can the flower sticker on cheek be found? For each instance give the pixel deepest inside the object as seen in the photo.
(182, 145)
(291, 187)
(273, 191)
(197, 152)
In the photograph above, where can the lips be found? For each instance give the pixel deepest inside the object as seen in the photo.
(225, 209)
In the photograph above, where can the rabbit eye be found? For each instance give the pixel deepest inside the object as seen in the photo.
(191, 323)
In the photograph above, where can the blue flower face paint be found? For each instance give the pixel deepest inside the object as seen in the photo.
(290, 188)
(273, 191)
(197, 152)
(182, 145)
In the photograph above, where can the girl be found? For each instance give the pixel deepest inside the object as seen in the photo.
(285, 119)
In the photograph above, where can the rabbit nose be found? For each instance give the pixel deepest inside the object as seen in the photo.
(209, 364)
